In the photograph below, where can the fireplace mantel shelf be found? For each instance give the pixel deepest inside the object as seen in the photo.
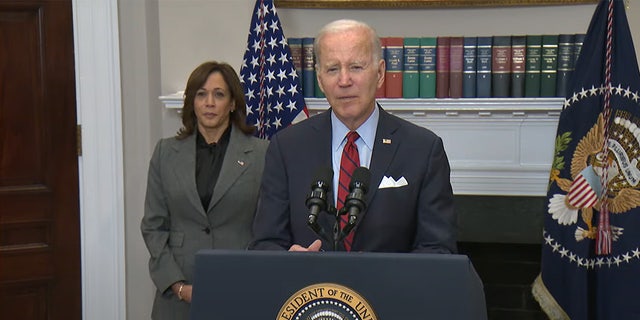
(496, 146)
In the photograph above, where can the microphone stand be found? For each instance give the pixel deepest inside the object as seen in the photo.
(338, 233)
(312, 222)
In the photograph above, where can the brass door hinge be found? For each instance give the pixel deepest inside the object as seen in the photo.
(79, 139)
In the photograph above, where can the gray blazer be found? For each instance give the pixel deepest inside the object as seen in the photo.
(175, 225)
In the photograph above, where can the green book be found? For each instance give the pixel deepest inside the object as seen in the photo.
(549, 66)
(566, 58)
(410, 76)
(308, 69)
(427, 67)
(578, 40)
(518, 64)
(316, 88)
(533, 57)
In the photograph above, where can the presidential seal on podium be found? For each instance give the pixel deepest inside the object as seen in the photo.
(326, 301)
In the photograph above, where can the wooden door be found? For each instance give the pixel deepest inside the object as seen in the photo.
(39, 207)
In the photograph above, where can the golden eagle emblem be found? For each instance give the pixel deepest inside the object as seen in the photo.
(589, 165)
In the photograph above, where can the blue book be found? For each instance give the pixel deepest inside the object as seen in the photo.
(483, 67)
(308, 68)
(469, 67)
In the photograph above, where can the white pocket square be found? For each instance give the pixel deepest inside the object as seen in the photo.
(389, 182)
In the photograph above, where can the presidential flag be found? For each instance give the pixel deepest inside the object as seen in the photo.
(271, 85)
(590, 265)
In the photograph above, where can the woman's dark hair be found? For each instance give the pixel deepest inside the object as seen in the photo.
(196, 80)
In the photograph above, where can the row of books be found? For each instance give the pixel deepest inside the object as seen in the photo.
(464, 66)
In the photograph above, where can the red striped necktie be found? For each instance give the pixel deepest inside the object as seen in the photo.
(349, 162)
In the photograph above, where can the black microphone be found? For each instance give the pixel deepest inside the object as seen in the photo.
(354, 202)
(317, 199)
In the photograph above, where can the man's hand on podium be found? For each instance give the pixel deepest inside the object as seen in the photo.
(315, 246)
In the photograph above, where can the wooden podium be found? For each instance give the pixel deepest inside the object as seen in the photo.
(283, 285)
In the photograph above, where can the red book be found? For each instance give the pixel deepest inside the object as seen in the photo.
(394, 58)
(380, 93)
(456, 53)
(443, 48)
(295, 45)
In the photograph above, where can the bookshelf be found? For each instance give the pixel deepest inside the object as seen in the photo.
(496, 146)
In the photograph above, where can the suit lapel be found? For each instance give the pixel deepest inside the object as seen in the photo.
(384, 150)
(185, 169)
(322, 157)
(236, 161)
(322, 129)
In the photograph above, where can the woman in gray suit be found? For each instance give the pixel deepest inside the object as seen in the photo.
(202, 185)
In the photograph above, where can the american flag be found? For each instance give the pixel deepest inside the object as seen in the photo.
(271, 85)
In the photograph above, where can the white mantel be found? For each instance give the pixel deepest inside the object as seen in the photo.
(496, 146)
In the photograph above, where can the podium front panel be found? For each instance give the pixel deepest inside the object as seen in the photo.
(257, 284)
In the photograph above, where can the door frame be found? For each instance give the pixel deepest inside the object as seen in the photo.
(101, 172)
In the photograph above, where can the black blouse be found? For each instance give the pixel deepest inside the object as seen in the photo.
(209, 159)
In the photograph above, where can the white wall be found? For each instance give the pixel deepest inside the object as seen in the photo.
(162, 41)
(142, 125)
(193, 31)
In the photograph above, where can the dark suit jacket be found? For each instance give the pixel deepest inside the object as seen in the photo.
(175, 225)
(418, 217)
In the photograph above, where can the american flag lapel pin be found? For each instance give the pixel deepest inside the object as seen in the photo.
(386, 141)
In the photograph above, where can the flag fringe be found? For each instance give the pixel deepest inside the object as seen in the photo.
(546, 301)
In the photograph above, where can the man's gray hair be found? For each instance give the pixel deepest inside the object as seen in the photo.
(344, 25)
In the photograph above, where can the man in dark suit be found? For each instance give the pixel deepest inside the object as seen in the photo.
(409, 199)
